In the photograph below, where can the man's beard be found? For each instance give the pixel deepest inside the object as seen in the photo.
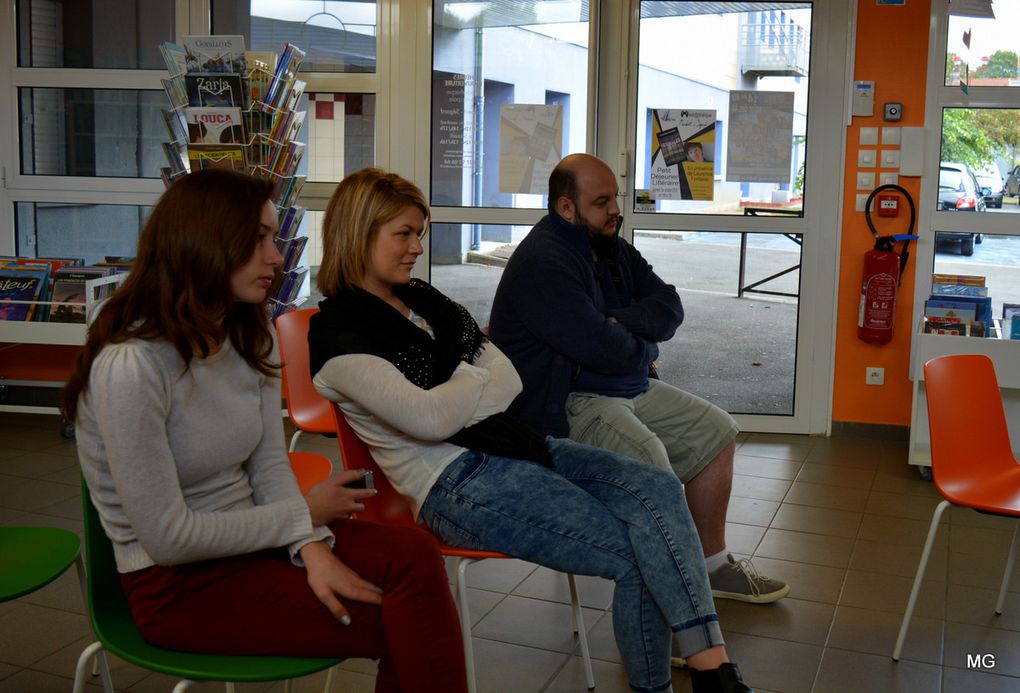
(600, 243)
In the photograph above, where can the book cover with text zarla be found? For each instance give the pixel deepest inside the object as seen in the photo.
(214, 125)
(215, 90)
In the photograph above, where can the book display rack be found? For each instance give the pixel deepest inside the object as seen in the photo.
(233, 108)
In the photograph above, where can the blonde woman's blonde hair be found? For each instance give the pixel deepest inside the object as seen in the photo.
(361, 203)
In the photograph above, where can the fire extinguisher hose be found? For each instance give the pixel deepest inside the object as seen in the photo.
(906, 237)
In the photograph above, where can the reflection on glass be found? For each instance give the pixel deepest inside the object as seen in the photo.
(336, 36)
(92, 132)
(467, 261)
(994, 257)
(734, 92)
(991, 60)
(98, 34)
(88, 231)
(738, 353)
(340, 133)
(979, 157)
(509, 98)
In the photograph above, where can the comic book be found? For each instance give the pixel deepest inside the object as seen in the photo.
(215, 90)
(202, 156)
(214, 125)
(215, 54)
(21, 283)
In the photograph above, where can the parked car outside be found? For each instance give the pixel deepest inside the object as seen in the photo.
(992, 189)
(1013, 183)
(959, 191)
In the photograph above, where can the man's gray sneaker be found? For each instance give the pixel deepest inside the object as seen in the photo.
(739, 580)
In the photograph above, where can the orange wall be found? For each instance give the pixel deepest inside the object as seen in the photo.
(892, 50)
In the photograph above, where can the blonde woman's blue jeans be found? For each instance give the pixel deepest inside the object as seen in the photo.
(594, 513)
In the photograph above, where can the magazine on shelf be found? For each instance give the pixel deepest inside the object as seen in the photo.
(290, 221)
(203, 156)
(958, 290)
(176, 58)
(175, 124)
(69, 292)
(291, 251)
(964, 279)
(219, 53)
(176, 92)
(22, 282)
(284, 76)
(214, 90)
(214, 125)
(176, 155)
(956, 309)
(261, 66)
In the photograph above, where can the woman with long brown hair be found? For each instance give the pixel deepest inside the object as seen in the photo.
(176, 405)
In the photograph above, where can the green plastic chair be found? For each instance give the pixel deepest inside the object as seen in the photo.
(116, 632)
(33, 557)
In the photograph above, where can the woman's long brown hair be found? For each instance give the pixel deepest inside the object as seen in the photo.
(203, 228)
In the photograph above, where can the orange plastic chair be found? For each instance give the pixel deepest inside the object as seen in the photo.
(307, 409)
(972, 462)
(389, 507)
(310, 468)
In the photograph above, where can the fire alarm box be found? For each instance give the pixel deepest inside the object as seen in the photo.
(888, 205)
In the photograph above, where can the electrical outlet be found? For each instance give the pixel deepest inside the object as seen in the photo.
(874, 375)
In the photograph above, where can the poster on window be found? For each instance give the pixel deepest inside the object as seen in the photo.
(760, 143)
(683, 154)
(530, 145)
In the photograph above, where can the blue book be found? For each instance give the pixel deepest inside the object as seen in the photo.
(982, 304)
(959, 290)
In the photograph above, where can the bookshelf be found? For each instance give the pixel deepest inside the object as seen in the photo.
(1004, 353)
(41, 354)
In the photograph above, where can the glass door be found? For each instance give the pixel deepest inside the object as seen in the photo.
(705, 113)
(734, 139)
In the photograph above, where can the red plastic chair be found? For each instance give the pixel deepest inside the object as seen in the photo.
(307, 409)
(972, 462)
(389, 507)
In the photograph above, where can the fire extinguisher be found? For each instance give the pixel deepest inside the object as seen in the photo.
(883, 270)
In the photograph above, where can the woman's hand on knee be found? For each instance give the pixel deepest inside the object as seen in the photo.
(330, 580)
(331, 500)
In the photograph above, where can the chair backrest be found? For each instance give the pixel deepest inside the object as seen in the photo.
(388, 507)
(307, 409)
(969, 435)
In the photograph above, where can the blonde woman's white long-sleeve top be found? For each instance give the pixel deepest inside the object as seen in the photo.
(405, 426)
(188, 464)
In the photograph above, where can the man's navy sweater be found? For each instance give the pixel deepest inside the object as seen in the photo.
(550, 316)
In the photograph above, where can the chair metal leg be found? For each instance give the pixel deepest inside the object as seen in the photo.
(330, 677)
(578, 619)
(84, 659)
(183, 685)
(100, 666)
(465, 621)
(293, 441)
(233, 689)
(921, 566)
(1001, 602)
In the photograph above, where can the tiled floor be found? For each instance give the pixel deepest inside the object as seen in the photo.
(842, 521)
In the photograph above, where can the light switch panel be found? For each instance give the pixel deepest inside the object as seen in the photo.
(865, 181)
(869, 136)
(890, 135)
(885, 178)
(860, 203)
(866, 158)
(890, 158)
